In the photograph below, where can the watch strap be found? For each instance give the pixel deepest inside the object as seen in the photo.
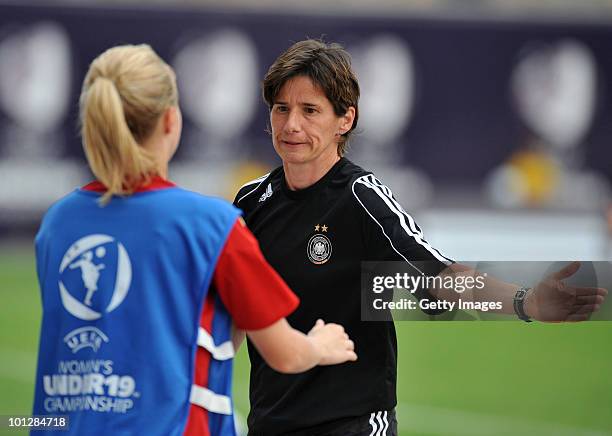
(519, 304)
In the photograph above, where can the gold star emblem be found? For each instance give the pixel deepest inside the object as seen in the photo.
(317, 228)
(324, 228)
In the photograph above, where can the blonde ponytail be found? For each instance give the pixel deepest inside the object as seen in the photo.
(126, 90)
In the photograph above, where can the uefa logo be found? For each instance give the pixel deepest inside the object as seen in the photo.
(92, 267)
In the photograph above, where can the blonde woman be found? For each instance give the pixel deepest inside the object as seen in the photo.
(176, 273)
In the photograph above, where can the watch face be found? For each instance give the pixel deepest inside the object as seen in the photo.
(521, 294)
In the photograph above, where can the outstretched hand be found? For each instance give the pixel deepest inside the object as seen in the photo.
(333, 343)
(553, 300)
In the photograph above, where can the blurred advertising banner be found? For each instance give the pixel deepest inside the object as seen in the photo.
(519, 114)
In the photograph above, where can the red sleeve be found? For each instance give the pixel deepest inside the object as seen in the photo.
(251, 290)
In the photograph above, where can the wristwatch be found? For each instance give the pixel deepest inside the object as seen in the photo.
(519, 304)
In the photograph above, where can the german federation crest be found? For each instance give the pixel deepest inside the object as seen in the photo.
(95, 276)
(319, 249)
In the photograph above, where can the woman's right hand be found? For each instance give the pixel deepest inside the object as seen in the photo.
(290, 351)
(332, 342)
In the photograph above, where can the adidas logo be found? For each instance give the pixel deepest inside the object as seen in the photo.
(266, 194)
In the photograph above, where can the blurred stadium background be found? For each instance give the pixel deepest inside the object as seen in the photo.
(491, 120)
